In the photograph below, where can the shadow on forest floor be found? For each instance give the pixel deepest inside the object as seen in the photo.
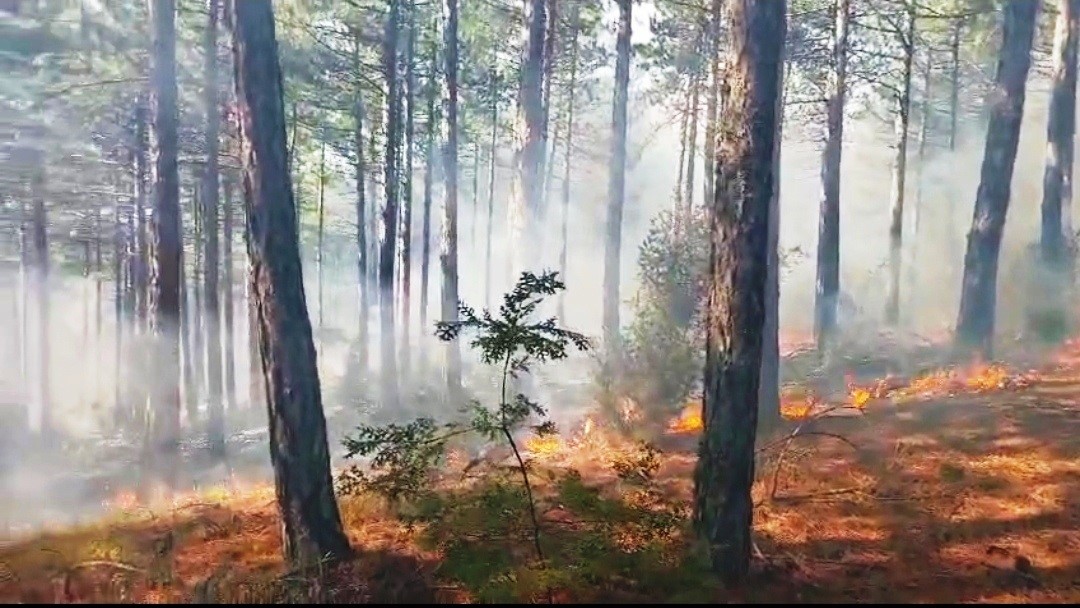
(968, 498)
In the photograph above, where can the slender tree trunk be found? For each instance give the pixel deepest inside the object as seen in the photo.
(828, 255)
(975, 323)
(684, 128)
(320, 242)
(187, 344)
(492, 153)
(363, 285)
(387, 336)
(1057, 176)
(42, 418)
(429, 174)
(211, 202)
(550, 139)
(449, 254)
(954, 84)
(128, 414)
(406, 223)
(195, 310)
(896, 207)
(691, 139)
(167, 246)
(475, 214)
(568, 153)
(142, 254)
(311, 523)
(616, 183)
(746, 179)
(920, 176)
(715, 16)
(227, 296)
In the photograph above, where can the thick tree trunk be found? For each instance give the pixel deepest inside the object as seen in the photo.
(227, 296)
(616, 183)
(167, 246)
(387, 336)
(448, 255)
(828, 254)
(740, 220)
(526, 202)
(211, 186)
(568, 156)
(311, 523)
(975, 323)
(899, 178)
(1057, 176)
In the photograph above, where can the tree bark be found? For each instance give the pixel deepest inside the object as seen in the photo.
(975, 322)
(746, 178)
(320, 241)
(449, 254)
(388, 337)
(1057, 176)
(828, 256)
(167, 273)
(691, 139)
(312, 528)
(899, 179)
(616, 182)
(211, 201)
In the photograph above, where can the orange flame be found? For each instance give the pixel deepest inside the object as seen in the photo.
(543, 445)
(689, 421)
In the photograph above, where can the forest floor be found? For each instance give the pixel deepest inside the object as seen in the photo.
(970, 493)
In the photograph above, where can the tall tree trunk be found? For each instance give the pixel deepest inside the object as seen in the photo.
(195, 308)
(715, 16)
(954, 84)
(920, 176)
(899, 179)
(691, 139)
(723, 508)
(684, 128)
(568, 153)
(227, 296)
(429, 176)
(142, 254)
(211, 186)
(387, 336)
(363, 284)
(42, 419)
(550, 139)
(406, 220)
(975, 322)
(311, 523)
(492, 154)
(1057, 176)
(475, 215)
(828, 254)
(448, 255)
(526, 197)
(167, 245)
(187, 344)
(616, 183)
(124, 410)
(320, 242)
